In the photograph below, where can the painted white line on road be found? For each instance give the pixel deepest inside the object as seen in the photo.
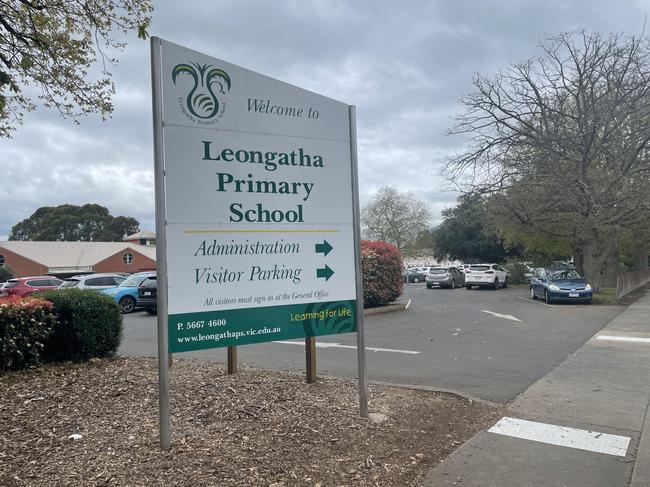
(351, 347)
(498, 315)
(407, 305)
(535, 301)
(623, 339)
(562, 436)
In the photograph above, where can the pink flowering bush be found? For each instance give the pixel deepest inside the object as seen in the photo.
(382, 266)
(25, 324)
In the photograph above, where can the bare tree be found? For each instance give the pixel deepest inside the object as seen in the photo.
(562, 140)
(395, 217)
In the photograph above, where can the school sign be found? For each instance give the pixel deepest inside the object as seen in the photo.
(256, 204)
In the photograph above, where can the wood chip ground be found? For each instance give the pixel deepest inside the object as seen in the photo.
(255, 428)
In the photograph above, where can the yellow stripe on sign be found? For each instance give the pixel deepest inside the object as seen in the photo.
(259, 231)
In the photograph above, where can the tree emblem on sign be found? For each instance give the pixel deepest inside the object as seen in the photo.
(202, 101)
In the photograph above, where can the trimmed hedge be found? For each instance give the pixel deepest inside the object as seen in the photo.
(382, 266)
(89, 324)
(25, 325)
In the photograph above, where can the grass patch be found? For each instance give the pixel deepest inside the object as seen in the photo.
(606, 295)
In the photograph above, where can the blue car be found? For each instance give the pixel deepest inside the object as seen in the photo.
(126, 294)
(560, 284)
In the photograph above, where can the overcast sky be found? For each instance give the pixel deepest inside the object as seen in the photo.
(403, 64)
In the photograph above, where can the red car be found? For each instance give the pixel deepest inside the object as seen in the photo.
(26, 286)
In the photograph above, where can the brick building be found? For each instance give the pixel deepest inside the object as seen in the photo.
(142, 237)
(64, 259)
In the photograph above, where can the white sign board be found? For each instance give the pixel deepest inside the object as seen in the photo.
(258, 204)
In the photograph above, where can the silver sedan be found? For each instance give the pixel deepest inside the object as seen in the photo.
(451, 277)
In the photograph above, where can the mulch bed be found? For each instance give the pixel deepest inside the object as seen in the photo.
(255, 428)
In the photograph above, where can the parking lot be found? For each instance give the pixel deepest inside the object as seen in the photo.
(485, 343)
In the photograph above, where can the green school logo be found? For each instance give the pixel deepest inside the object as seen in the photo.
(201, 103)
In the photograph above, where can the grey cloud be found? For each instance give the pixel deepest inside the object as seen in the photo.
(404, 65)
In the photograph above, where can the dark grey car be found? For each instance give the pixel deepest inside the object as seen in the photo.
(445, 277)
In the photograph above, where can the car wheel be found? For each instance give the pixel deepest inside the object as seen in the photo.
(429, 286)
(588, 301)
(468, 287)
(151, 310)
(532, 293)
(496, 283)
(127, 304)
(416, 279)
(453, 284)
(505, 283)
(547, 300)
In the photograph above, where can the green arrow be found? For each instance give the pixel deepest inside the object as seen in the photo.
(324, 248)
(326, 273)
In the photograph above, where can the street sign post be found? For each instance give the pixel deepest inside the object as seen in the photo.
(257, 211)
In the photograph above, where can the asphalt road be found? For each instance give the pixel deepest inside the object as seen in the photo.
(464, 342)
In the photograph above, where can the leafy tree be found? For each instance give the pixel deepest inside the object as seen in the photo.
(72, 223)
(562, 139)
(423, 245)
(54, 45)
(464, 233)
(395, 217)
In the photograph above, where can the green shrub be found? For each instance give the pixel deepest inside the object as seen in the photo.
(89, 324)
(381, 265)
(25, 325)
(6, 273)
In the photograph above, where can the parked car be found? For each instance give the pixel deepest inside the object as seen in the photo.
(126, 294)
(93, 281)
(486, 275)
(416, 274)
(148, 295)
(28, 286)
(565, 284)
(445, 277)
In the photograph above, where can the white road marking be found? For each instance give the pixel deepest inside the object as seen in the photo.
(351, 347)
(498, 315)
(562, 436)
(536, 301)
(623, 339)
(407, 305)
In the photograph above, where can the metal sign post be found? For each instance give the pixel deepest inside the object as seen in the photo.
(361, 345)
(161, 245)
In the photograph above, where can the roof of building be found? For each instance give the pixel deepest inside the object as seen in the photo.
(72, 255)
(141, 234)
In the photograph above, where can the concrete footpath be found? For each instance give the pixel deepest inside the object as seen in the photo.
(585, 424)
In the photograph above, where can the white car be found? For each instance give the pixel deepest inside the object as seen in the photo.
(486, 275)
(93, 281)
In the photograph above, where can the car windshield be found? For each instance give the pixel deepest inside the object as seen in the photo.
(10, 284)
(563, 274)
(70, 283)
(133, 281)
(438, 271)
(479, 268)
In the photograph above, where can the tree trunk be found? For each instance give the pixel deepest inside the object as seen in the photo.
(641, 257)
(579, 261)
(600, 260)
